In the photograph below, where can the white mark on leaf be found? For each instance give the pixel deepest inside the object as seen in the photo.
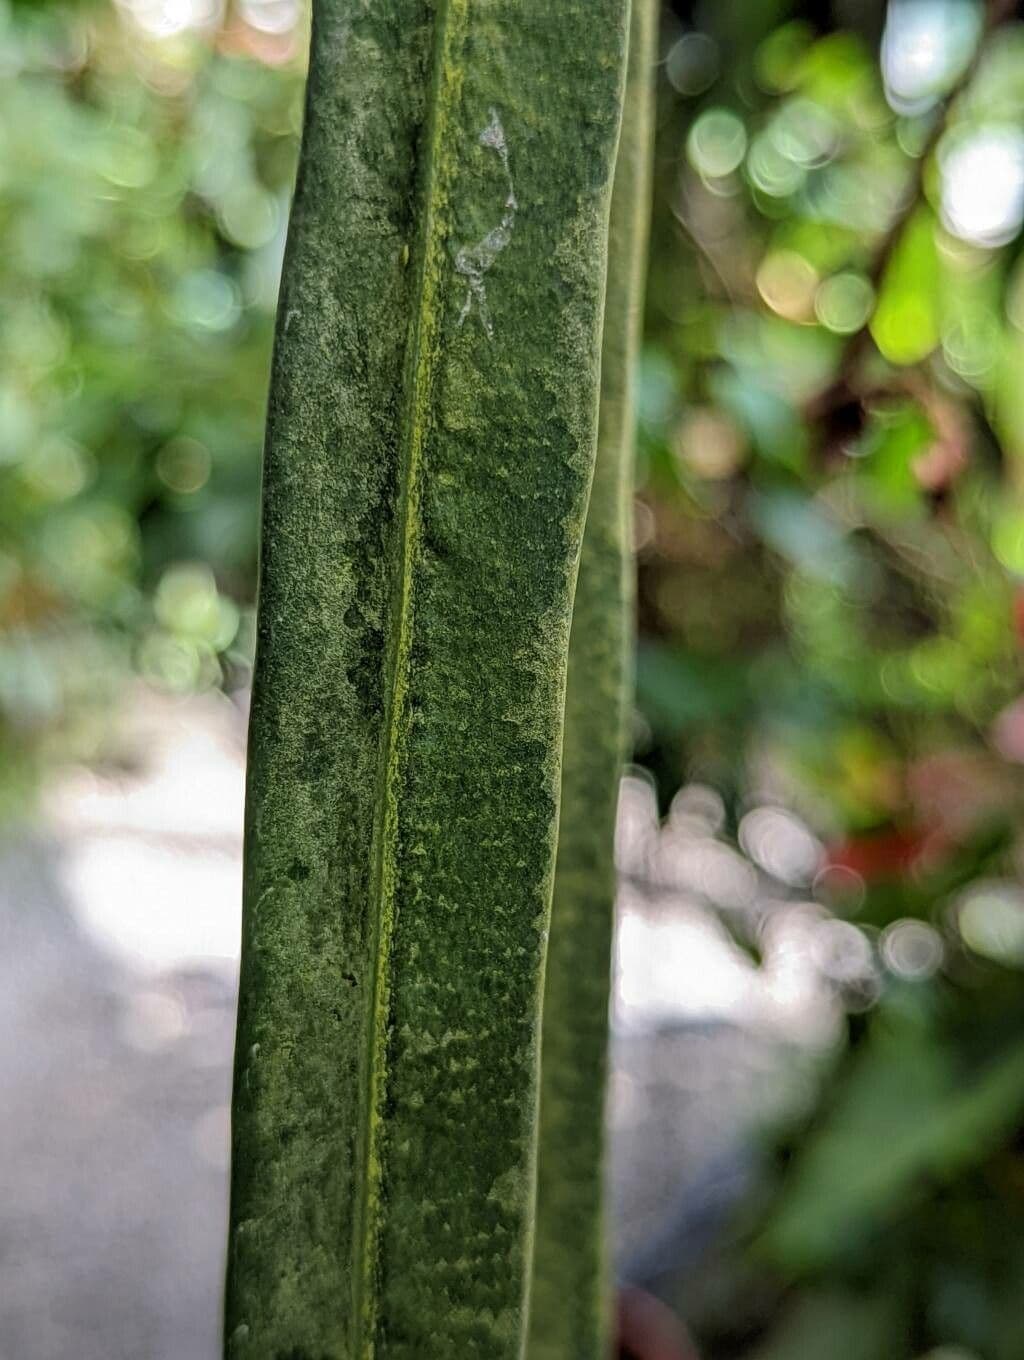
(473, 261)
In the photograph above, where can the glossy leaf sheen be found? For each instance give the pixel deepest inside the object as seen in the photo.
(430, 447)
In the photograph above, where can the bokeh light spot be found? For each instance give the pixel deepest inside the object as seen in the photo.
(717, 143)
(183, 465)
(788, 284)
(780, 843)
(983, 185)
(912, 949)
(843, 302)
(991, 921)
(692, 63)
(925, 45)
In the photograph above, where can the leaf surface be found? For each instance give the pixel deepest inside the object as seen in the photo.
(430, 447)
(570, 1300)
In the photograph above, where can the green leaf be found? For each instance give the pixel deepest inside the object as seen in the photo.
(906, 323)
(430, 446)
(569, 1298)
(841, 1323)
(896, 436)
(904, 1113)
(679, 690)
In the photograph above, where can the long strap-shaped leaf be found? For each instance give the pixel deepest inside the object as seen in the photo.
(430, 446)
(569, 1310)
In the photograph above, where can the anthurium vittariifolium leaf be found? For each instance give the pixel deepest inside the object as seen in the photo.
(430, 446)
(569, 1308)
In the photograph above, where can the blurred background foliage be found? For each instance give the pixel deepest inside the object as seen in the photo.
(146, 162)
(830, 530)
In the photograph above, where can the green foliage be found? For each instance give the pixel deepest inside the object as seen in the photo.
(902, 1192)
(829, 601)
(829, 597)
(571, 1288)
(904, 1094)
(430, 447)
(145, 193)
(867, 531)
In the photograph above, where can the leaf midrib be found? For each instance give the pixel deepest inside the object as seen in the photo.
(421, 355)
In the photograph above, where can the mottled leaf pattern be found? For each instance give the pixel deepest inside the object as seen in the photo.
(426, 477)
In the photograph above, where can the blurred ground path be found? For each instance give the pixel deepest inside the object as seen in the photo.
(117, 987)
(119, 923)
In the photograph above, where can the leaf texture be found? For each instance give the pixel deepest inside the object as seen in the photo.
(570, 1297)
(430, 445)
